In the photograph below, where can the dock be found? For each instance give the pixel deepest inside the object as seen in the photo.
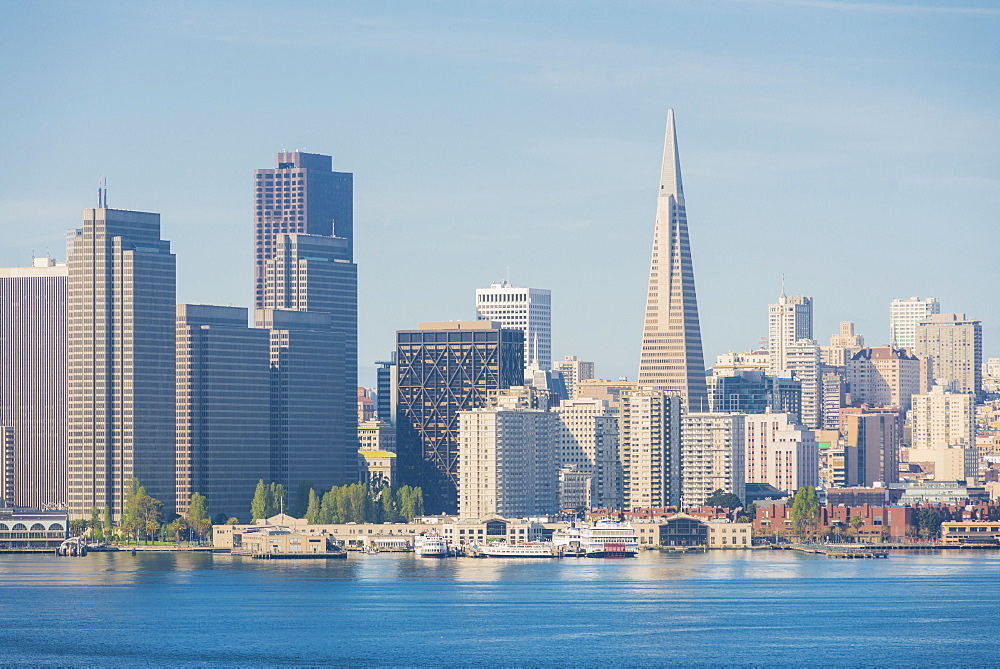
(843, 551)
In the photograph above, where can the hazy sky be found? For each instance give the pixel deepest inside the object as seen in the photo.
(852, 146)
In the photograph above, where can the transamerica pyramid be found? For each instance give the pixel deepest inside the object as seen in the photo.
(672, 358)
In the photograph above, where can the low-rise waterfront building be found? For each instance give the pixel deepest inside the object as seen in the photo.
(24, 530)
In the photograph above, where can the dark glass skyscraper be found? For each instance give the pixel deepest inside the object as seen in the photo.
(301, 194)
(444, 368)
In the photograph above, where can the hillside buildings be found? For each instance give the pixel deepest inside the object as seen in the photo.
(33, 384)
(121, 367)
(526, 309)
(943, 432)
(442, 369)
(871, 449)
(672, 358)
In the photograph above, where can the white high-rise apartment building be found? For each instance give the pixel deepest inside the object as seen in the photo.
(33, 384)
(904, 316)
(573, 371)
(507, 462)
(788, 321)
(649, 438)
(780, 452)
(803, 359)
(525, 309)
(712, 456)
(588, 446)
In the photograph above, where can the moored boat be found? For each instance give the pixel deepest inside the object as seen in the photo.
(602, 538)
(430, 544)
(502, 549)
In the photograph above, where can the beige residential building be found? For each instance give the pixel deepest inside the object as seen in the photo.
(730, 364)
(904, 316)
(712, 456)
(943, 432)
(883, 376)
(954, 345)
(789, 321)
(804, 362)
(843, 345)
(590, 471)
(573, 371)
(730, 535)
(602, 389)
(780, 452)
(376, 435)
(507, 462)
(649, 437)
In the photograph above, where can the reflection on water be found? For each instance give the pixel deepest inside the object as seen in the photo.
(715, 608)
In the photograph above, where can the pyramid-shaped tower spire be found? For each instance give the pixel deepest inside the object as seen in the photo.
(672, 357)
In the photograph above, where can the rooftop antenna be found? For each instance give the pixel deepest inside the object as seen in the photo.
(782, 284)
(508, 275)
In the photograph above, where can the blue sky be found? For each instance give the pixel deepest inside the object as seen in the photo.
(852, 147)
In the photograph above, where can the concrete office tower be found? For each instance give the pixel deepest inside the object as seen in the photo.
(871, 449)
(780, 452)
(883, 376)
(573, 371)
(315, 274)
(309, 410)
(507, 461)
(649, 446)
(803, 361)
(788, 322)
(588, 447)
(122, 382)
(441, 369)
(33, 383)
(672, 358)
(954, 345)
(712, 456)
(385, 389)
(526, 309)
(843, 346)
(301, 194)
(904, 316)
(223, 408)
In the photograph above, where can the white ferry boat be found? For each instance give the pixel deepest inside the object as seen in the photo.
(502, 549)
(430, 545)
(602, 538)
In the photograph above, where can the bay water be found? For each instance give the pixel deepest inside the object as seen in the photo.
(718, 608)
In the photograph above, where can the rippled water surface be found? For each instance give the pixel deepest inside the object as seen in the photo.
(764, 607)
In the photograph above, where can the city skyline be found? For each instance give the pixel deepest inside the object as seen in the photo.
(839, 134)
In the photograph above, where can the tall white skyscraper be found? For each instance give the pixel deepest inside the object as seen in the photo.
(649, 445)
(526, 309)
(33, 384)
(788, 321)
(904, 316)
(712, 456)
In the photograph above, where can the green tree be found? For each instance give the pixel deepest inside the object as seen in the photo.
(197, 515)
(96, 526)
(726, 500)
(233, 521)
(109, 528)
(301, 505)
(748, 515)
(929, 522)
(220, 519)
(261, 503)
(77, 527)
(279, 500)
(805, 510)
(389, 512)
(313, 508)
(177, 527)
